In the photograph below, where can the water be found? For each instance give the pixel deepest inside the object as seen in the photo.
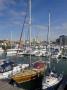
(60, 66)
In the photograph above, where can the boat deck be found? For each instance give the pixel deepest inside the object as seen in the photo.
(4, 85)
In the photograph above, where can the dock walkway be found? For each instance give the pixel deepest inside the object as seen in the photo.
(4, 85)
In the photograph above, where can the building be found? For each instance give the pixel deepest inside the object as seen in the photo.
(62, 40)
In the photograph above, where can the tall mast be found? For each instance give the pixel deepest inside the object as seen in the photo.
(11, 39)
(30, 19)
(30, 26)
(49, 40)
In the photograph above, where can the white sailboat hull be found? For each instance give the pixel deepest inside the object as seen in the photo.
(53, 83)
(7, 75)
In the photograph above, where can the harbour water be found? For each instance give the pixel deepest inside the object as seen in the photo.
(58, 65)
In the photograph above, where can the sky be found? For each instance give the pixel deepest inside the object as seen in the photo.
(12, 13)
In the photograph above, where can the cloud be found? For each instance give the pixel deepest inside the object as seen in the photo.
(14, 13)
(60, 27)
(5, 3)
(2, 4)
(64, 25)
(11, 15)
(1, 13)
(57, 30)
(16, 17)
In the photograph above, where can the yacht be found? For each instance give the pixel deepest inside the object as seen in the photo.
(57, 54)
(28, 78)
(1, 51)
(11, 52)
(39, 53)
(34, 52)
(9, 68)
(52, 80)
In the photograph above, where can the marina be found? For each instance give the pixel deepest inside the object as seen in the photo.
(59, 67)
(35, 58)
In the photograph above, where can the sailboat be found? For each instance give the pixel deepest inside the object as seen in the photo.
(31, 78)
(52, 80)
(9, 68)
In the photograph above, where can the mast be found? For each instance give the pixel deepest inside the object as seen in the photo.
(30, 26)
(11, 40)
(49, 41)
(21, 34)
(47, 38)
